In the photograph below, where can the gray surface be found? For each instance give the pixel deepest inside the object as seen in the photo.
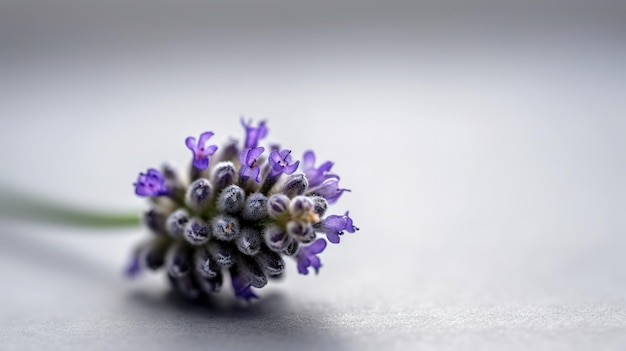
(484, 146)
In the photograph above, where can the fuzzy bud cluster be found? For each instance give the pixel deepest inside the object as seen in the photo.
(239, 217)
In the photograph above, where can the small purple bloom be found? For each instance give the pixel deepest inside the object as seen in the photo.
(200, 152)
(307, 256)
(248, 158)
(334, 225)
(316, 176)
(253, 135)
(329, 189)
(242, 290)
(134, 267)
(151, 183)
(281, 163)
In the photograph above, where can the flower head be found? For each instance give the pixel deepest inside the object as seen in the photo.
(151, 183)
(316, 176)
(200, 152)
(249, 168)
(329, 189)
(307, 256)
(213, 224)
(334, 225)
(281, 163)
(253, 135)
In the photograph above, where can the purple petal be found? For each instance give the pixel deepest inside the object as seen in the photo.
(285, 155)
(333, 237)
(133, 268)
(243, 156)
(325, 167)
(249, 172)
(308, 160)
(274, 157)
(315, 262)
(155, 174)
(210, 150)
(191, 144)
(303, 264)
(334, 223)
(204, 137)
(318, 246)
(291, 168)
(255, 153)
(201, 163)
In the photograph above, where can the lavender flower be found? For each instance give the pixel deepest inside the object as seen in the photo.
(329, 189)
(200, 152)
(210, 226)
(281, 163)
(151, 183)
(249, 168)
(334, 225)
(316, 176)
(253, 135)
(307, 256)
(242, 290)
(134, 267)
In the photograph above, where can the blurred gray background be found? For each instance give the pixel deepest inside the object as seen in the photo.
(483, 143)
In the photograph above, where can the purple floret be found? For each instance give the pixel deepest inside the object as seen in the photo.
(249, 168)
(334, 225)
(151, 183)
(329, 189)
(253, 135)
(281, 163)
(316, 176)
(242, 290)
(200, 152)
(307, 256)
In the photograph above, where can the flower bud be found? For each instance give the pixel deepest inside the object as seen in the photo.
(270, 262)
(231, 199)
(223, 175)
(296, 184)
(276, 238)
(225, 227)
(292, 248)
(155, 221)
(177, 261)
(211, 285)
(255, 208)
(277, 205)
(249, 241)
(300, 205)
(223, 253)
(302, 232)
(176, 223)
(197, 232)
(250, 272)
(198, 194)
(154, 255)
(319, 205)
(205, 265)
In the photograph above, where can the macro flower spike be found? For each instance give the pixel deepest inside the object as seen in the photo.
(225, 225)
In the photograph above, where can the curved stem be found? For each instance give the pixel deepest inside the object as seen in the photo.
(28, 208)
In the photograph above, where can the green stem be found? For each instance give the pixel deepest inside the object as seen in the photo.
(28, 208)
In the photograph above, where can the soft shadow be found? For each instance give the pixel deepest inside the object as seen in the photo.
(272, 322)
